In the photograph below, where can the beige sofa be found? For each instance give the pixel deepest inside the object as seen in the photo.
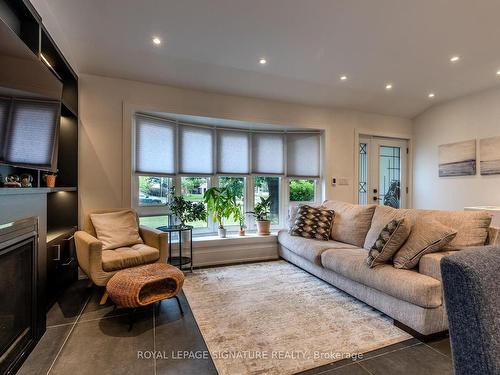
(413, 298)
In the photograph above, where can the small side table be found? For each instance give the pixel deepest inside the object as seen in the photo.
(179, 261)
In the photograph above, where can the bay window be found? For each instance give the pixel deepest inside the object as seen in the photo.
(191, 158)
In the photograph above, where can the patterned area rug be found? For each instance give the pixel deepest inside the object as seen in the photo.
(274, 318)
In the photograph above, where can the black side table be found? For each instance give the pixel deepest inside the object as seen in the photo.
(179, 261)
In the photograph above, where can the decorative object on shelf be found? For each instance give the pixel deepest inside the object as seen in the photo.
(261, 213)
(12, 181)
(457, 159)
(26, 180)
(489, 156)
(184, 210)
(50, 179)
(221, 203)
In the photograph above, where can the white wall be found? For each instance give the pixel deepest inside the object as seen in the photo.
(472, 117)
(107, 104)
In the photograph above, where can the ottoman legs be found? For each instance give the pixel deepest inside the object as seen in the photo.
(179, 303)
(131, 312)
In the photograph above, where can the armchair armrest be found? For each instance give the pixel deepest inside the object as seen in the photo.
(157, 239)
(88, 252)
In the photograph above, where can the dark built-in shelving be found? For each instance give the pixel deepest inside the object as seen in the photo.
(62, 208)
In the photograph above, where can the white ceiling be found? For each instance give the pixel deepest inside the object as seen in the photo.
(216, 44)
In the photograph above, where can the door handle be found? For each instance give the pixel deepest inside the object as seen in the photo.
(376, 198)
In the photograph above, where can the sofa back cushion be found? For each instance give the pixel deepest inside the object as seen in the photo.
(471, 226)
(351, 223)
(116, 229)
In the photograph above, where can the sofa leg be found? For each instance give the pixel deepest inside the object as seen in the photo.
(104, 298)
(418, 335)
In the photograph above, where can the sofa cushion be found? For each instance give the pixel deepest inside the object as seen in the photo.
(406, 285)
(313, 223)
(116, 229)
(125, 257)
(307, 248)
(389, 241)
(430, 264)
(471, 226)
(351, 223)
(427, 236)
(292, 212)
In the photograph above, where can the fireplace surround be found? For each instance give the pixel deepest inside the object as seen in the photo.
(19, 310)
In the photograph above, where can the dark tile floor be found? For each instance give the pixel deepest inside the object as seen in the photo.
(85, 338)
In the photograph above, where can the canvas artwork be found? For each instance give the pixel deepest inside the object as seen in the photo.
(489, 149)
(457, 159)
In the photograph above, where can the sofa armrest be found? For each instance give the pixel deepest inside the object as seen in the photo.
(430, 264)
(157, 239)
(88, 252)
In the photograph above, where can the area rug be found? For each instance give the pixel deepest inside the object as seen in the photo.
(274, 318)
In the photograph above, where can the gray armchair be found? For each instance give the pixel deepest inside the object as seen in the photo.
(471, 283)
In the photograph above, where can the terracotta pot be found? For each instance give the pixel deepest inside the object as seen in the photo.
(263, 227)
(242, 231)
(50, 180)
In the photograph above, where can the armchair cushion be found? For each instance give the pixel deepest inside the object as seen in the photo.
(116, 229)
(125, 257)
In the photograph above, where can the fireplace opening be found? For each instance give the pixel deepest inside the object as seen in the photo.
(18, 323)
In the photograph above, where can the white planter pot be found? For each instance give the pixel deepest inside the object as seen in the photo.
(222, 232)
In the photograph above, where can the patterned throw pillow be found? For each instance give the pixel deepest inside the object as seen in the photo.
(390, 239)
(313, 223)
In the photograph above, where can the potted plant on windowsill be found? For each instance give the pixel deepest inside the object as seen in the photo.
(261, 213)
(221, 203)
(241, 220)
(184, 210)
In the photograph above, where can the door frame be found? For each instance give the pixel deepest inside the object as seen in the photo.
(359, 133)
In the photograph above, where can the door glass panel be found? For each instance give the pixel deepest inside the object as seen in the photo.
(390, 176)
(363, 174)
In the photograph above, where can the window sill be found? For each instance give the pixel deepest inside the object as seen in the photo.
(215, 240)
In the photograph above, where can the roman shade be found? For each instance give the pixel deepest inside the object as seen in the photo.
(233, 149)
(268, 153)
(196, 152)
(303, 154)
(32, 133)
(4, 118)
(155, 146)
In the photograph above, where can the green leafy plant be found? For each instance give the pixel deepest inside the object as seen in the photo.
(185, 210)
(241, 217)
(262, 209)
(221, 203)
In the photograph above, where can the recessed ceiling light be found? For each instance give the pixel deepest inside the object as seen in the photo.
(388, 86)
(498, 72)
(262, 61)
(343, 78)
(431, 95)
(156, 40)
(454, 58)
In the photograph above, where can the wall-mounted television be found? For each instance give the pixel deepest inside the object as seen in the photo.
(29, 130)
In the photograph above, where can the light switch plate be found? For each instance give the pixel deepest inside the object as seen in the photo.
(343, 181)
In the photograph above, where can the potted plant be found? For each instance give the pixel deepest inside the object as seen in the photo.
(241, 220)
(221, 203)
(185, 210)
(261, 213)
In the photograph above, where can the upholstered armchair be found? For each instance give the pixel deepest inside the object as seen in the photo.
(100, 265)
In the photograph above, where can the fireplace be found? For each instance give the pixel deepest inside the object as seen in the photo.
(18, 292)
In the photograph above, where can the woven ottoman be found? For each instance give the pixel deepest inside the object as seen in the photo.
(141, 286)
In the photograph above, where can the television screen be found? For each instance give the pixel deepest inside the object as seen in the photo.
(28, 131)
